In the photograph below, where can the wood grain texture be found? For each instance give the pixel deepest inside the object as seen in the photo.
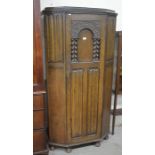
(109, 56)
(38, 102)
(39, 116)
(93, 88)
(79, 85)
(110, 37)
(54, 37)
(76, 102)
(39, 124)
(56, 104)
(37, 48)
(38, 119)
(85, 46)
(39, 143)
(107, 97)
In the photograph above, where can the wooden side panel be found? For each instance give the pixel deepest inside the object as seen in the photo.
(110, 37)
(54, 37)
(107, 97)
(76, 102)
(39, 119)
(56, 104)
(37, 48)
(109, 56)
(93, 95)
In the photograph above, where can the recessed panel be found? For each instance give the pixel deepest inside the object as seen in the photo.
(76, 102)
(93, 95)
(85, 45)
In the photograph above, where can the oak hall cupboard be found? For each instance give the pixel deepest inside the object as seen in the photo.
(79, 65)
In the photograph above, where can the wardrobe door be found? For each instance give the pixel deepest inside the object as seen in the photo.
(84, 71)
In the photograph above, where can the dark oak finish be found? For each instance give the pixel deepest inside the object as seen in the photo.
(39, 117)
(79, 62)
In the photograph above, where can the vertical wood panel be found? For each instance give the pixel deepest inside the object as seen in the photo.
(92, 106)
(107, 97)
(39, 118)
(93, 81)
(59, 55)
(76, 101)
(37, 46)
(54, 37)
(56, 104)
(110, 37)
(85, 98)
(51, 43)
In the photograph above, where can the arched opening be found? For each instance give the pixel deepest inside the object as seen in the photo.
(85, 45)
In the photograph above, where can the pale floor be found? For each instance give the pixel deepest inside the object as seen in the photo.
(112, 146)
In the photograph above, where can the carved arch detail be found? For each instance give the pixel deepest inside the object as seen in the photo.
(77, 27)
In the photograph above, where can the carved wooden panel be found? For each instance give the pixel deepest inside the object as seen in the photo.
(79, 27)
(74, 55)
(96, 49)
